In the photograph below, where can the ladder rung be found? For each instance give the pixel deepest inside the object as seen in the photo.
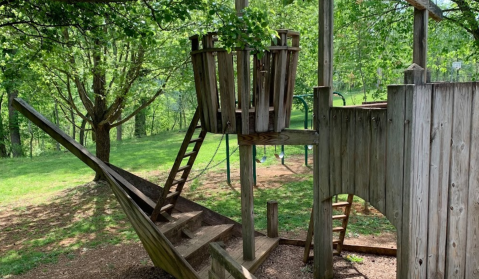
(339, 204)
(337, 217)
(172, 194)
(338, 229)
(189, 154)
(198, 127)
(175, 182)
(336, 241)
(196, 140)
(184, 168)
(166, 207)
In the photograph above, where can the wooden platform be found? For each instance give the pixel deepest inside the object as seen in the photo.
(264, 246)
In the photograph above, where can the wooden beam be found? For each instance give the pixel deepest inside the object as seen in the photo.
(420, 40)
(224, 259)
(272, 219)
(325, 43)
(434, 11)
(247, 217)
(287, 137)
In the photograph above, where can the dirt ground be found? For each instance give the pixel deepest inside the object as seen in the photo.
(131, 260)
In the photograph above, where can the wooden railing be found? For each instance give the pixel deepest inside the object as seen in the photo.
(221, 262)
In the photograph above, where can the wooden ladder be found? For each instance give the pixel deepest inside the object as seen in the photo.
(341, 229)
(168, 198)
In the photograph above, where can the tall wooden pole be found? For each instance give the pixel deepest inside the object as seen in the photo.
(246, 152)
(323, 236)
(420, 39)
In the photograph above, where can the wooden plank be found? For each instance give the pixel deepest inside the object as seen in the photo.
(472, 247)
(272, 219)
(434, 11)
(291, 78)
(279, 90)
(420, 39)
(459, 184)
(217, 270)
(211, 90)
(348, 147)
(309, 239)
(377, 192)
(362, 152)
(439, 178)
(243, 64)
(247, 217)
(227, 92)
(419, 193)
(199, 76)
(325, 43)
(229, 263)
(286, 137)
(261, 92)
(322, 209)
(240, 5)
(335, 151)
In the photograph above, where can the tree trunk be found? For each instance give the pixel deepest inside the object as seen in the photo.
(102, 142)
(57, 123)
(119, 130)
(13, 126)
(3, 148)
(140, 122)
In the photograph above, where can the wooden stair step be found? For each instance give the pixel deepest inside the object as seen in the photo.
(338, 229)
(166, 207)
(183, 168)
(340, 204)
(189, 154)
(336, 241)
(176, 182)
(198, 245)
(263, 248)
(196, 140)
(172, 194)
(183, 220)
(197, 126)
(339, 217)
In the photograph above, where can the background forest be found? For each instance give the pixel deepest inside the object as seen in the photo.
(109, 71)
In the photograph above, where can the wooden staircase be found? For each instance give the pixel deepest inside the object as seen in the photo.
(340, 231)
(169, 196)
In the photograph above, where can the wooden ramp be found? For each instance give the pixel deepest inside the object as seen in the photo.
(179, 242)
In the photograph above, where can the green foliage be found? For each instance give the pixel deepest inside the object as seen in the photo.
(354, 258)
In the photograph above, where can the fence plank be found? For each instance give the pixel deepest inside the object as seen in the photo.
(261, 92)
(439, 178)
(347, 151)
(362, 150)
(378, 160)
(227, 92)
(243, 64)
(335, 150)
(458, 190)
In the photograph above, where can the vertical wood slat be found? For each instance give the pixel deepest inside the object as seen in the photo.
(403, 230)
(211, 90)
(279, 85)
(347, 151)
(419, 186)
(378, 160)
(325, 43)
(322, 210)
(472, 247)
(200, 81)
(294, 56)
(459, 190)
(261, 92)
(439, 178)
(247, 217)
(335, 150)
(243, 64)
(227, 92)
(362, 151)
(420, 39)
(272, 219)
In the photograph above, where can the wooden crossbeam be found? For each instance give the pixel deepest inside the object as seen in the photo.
(434, 11)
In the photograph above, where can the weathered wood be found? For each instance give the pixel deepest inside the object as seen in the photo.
(247, 217)
(377, 192)
(325, 43)
(459, 184)
(243, 64)
(279, 88)
(348, 147)
(261, 76)
(272, 219)
(211, 90)
(217, 270)
(441, 129)
(434, 11)
(382, 251)
(335, 151)
(472, 247)
(227, 92)
(309, 238)
(414, 74)
(240, 5)
(420, 39)
(200, 81)
(419, 185)
(323, 234)
(235, 269)
(293, 65)
(287, 137)
(344, 225)
(362, 152)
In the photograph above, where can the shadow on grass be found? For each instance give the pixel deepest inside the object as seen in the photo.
(82, 217)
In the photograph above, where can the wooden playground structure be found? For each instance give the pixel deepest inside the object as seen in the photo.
(415, 159)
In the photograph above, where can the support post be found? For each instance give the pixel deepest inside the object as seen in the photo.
(228, 170)
(272, 219)
(420, 40)
(217, 269)
(247, 219)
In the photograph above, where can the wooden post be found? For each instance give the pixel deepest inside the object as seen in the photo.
(247, 219)
(217, 270)
(239, 5)
(272, 213)
(325, 43)
(420, 40)
(414, 74)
